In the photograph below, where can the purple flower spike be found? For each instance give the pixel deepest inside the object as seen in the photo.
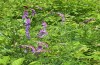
(25, 14)
(44, 24)
(27, 23)
(33, 12)
(27, 34)
(42, 33)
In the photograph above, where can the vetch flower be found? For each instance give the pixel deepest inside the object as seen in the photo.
(33, 49)
(25, 14)
(42, 44)
(28, 21)
(42, 33)
(62, 16)
(27, 24)
(27, 47)
(40, 48)
(33, 12)
(44, 24)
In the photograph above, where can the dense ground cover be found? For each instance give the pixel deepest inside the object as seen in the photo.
(50, 32)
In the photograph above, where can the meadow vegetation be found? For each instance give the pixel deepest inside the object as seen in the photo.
(49, 32)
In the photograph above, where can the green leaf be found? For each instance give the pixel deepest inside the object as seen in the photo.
(21, 31)
(4, 60)
(11, 0)
(18, 61)
(35, 63)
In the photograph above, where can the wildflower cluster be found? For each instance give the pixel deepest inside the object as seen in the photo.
(31, 48)
(43, 31)
(41, 34)
(27, 21)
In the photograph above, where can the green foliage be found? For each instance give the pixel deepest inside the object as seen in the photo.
(72, 42)
(18, 61)
(4, 60)
(35, 63)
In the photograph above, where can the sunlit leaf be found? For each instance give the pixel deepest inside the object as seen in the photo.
(18, 61)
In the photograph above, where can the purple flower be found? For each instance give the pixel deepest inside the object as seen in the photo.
(40, 49)
(28, 21)
(33, 12)
(27, 24)
(42, 33)
(27, 33)
(30, 47)
(62, 16)
(25, 14)
(44, 24)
